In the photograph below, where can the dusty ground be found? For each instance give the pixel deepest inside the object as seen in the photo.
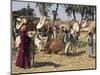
(54, 62)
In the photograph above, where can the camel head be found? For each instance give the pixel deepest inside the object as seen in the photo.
(42, 22)
(83, 22)
(19, 22)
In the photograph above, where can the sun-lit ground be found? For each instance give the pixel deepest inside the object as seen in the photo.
(54, 62)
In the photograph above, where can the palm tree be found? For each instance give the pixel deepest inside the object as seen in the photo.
(27, 12)
(54, 12)
(43, 8)
(71, 9)
(87, 11)
(91, 12)
(81, 10)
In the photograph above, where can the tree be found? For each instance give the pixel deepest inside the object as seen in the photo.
(71, 9)
(43, 8)
(54, 12)
(84, 10)
(91, 11)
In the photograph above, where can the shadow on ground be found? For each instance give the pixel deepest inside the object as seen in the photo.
(76, 54)
(42, 64)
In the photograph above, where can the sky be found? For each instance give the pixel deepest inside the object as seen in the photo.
(17, 5)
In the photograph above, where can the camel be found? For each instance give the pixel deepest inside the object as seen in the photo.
(88, 27)
(75, 32)
(85, 26)
(41, 22)
(40, 40)
(51, 45)
(54, 46)
(92, 28)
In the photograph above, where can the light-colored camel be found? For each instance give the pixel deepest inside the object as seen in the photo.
(89, 27)
(42, 22)
(75, 33)
(92, 28)
(39, 40)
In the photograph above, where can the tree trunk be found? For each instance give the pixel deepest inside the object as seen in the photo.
(44, 10)
(13, 30)
(74, 15)
(82, 14)
(55, 14)
(92, 16)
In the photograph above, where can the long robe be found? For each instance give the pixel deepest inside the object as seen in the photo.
(22, 59)
(90, 45)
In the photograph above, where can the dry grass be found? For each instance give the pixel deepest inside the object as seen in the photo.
(53, 62)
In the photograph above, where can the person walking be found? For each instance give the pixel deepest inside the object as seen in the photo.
(67, 41)
(54, 28)
(50, 32)
(90, 44)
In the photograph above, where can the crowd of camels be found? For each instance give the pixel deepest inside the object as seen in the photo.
(56, 46)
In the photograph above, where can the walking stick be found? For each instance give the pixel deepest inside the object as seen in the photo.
(32, 53)
(33, 56)
(32, 49)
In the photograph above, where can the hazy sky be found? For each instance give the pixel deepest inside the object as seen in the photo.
(61, 11)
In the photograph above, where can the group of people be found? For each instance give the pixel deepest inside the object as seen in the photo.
(71, 41)
(23, 53)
